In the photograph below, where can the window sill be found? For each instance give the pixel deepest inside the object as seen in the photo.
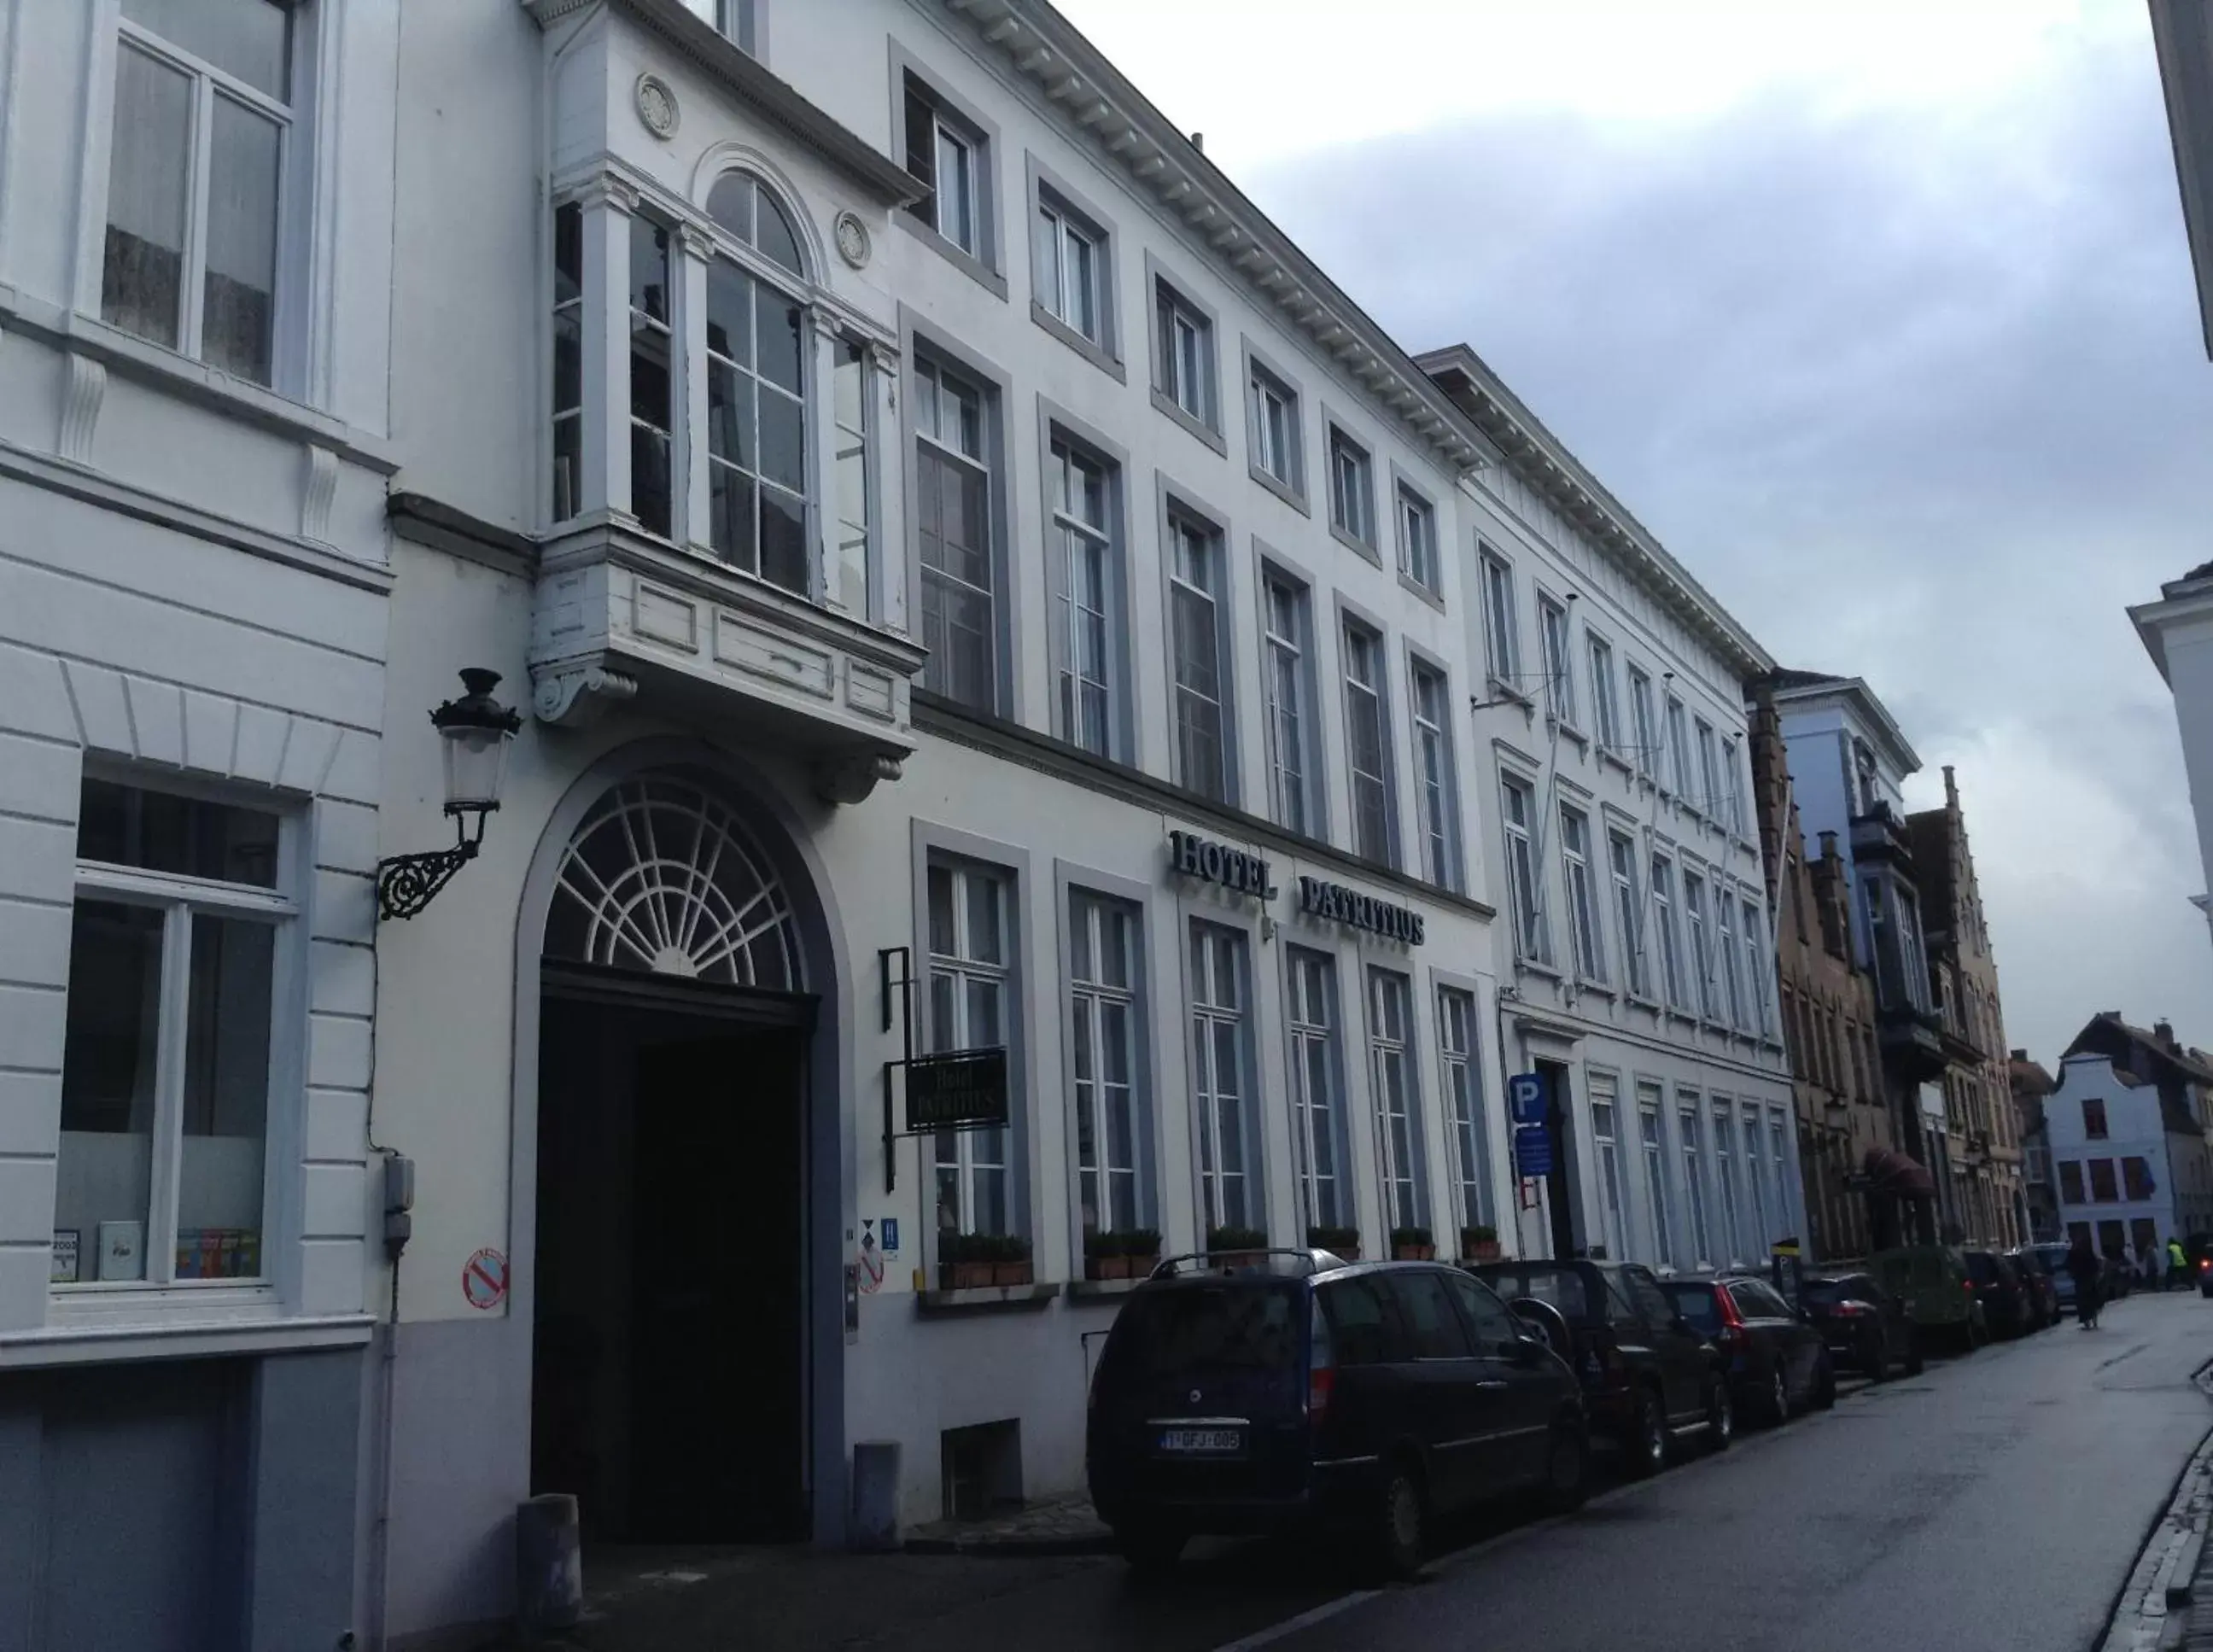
(1537, 966)
(991, 1299)
(1357, 545)
(1502, 692)
(1094, 1289)
(1295, 497)
(1421, 590)
(1588, 984)
(165, 1328)
(967, 262)
(1607, 753)
(1166, 404)
(1090, 349)
(1561, 725)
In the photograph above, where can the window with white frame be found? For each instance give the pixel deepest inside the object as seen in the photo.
(652, 379)
(1678, 747)
(1755, 1186)
(1533, 936)
(1709, 802)
(1274, 415)
(1417, 540)
(1201, 677)
(1463, 1094)
(971, 1008)
(732, 19)
(757, 391)
(1644, 727)
(1699, 955)
(1628, 910)
(1351, 488)
(1316, 1102)
(1612, 1205)
(1288, 623)
(953, 483)
(176, 1033)
(1590, 940)
(1606, 713)
(852, 477)
(1663, 928)
(1072, 269)
(1731, 1245)
(1778, 1149)
(1725, 949)
(568, 361)
(1703, 1250)
(1500, 637)
(1084, 553)
(199, 195)
(1648, 1102)
(1759, 1017)
(1368, 744)
(1104, 1038)
(1398, 1122)
(1732, 802)
(946, 155)
(1436, 794)
(1184, 348)
(1220, 1069)
(1552, 639)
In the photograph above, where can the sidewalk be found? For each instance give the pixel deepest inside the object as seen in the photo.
(1061, 1526)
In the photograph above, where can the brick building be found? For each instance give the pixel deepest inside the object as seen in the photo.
(2031, 1083)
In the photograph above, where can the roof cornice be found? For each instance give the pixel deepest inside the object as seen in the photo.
(1543, 461)
(1128, 134)
(1855, 691)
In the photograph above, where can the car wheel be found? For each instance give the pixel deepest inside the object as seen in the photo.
(1149, 1550)
(1720, 1413)
(1567, 1469)
(1396, 1541)
(1648, 1444)
(1916, 1362)
(1825, 1385)
(1778, 1397)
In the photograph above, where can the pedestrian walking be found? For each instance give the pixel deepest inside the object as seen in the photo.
(2178, 1265)
(2083, 1268)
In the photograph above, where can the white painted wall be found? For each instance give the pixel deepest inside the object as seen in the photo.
(2134, 1128)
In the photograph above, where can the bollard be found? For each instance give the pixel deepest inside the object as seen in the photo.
(549, 1564)
(874, 1519)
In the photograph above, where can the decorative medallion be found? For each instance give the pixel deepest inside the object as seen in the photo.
(657, 106)
(852, 240)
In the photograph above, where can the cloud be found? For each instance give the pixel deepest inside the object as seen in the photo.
(1906, 370)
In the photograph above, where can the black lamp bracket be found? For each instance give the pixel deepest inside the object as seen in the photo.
(405, 884)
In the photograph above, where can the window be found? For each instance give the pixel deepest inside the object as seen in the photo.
(1104, 1040)
(1220, 1070)
(852, 394)
(1605, 715)
(970, 1008)
(1694, 1181)
(945, 154)
(2102, 1188)
(1398, 1124)
(1367, 745)
(201, 146)
(652, 382)
(1725, 949)
(1621, 863)
(1352, 489)
(1663, 924)
(1582, 904)
(1612, 1210)
(1275, 415)
(1710, 785)
(1426, 1309)
(1501, 638)
(1732, 798)
(1433, 766)
(1184, 351)
(732, 19)
(1725, 1180)
(2136, 1177)
(1644, 729)
(1533, 937)
(1084, 555)
(1678, 747)
(2094, 1117)
(170, 1035)
(1287, 623)
(1701, 961)
(1417, 540)
(1552, 638)
(1778, 1160)
(1326, 1201)
(757, 345)
(1756, 1185)
(1071, 272)
(1496, 1330)
(1463, 1094)
(1649, 1101)
(1758, 1017)
(1363, 1322)
(1202, 682)
(1869, 790)
(953, 491)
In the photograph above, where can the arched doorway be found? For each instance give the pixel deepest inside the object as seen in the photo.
(670, 1322)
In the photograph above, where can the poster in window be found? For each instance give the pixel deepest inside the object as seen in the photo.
(66, 1250)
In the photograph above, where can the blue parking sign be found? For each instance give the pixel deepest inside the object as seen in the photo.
(1532, 1151)
(1525, 1098)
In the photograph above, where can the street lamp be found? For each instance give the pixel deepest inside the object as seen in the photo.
(476, 729)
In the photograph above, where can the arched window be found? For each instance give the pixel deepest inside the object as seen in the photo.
(755, 393)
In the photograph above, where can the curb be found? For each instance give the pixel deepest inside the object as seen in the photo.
(2154, 1607)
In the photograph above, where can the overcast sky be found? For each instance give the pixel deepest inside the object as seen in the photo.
(1879, 315)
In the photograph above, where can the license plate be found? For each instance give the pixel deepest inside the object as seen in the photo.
(1196, 1441)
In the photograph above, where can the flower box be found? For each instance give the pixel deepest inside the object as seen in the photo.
(967, 1276)
(1414, 1253)
(1013, 1273)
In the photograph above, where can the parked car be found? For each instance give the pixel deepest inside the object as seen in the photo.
(1777, 1362)
(1940, 1298)
(1298, 1388)
(1999, 1292)
(1862, 1322)
(2054, 1256)
(2036, 1278)
(1648, 1376)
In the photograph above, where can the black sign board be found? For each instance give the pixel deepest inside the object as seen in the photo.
(959, 1089)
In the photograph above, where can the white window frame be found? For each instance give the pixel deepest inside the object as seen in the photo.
(1759, 1001)
(1710, 805)
(1606, 713)
(1731, 802)
(1643, 717)
(1533, 938)
(1062, 229)
(1294, 791)
(1585, 931)
(1502, 638)
(1652, 1142)
(1732, 1218)
(1749, 1121)
(1313, 1032)
(1196, 569)
(1185, 375)
(1358, 642)
(1090, 999)
(1436, 789)
(1275, 452)
(1689, 1128)
(964, 968)
(1725, 947)
(1351, 488)
(932, 373)
(1613, 1202)
(1678, 747)
(1700, 953)
(1663, 917)
(1078, 541)
(1621, 855)
(1417, 520)
(1556, 642)
(1397, 1100)
(1214, 1008)
(1461, 1079)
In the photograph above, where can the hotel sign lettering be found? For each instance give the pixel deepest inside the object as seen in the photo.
(1213, 862)
(1349, 906)
(1233, 869)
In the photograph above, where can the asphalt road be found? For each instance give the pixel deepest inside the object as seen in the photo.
(1998, 1502)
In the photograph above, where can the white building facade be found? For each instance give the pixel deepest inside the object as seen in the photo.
(2129, 1173)
(1638, 968)
(194, 581)
(2177, 631)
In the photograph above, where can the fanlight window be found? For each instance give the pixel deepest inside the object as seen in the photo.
(661, 877)
(741, 206)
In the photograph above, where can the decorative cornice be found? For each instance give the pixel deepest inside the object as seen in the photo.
(576, 696)
(1101, 108)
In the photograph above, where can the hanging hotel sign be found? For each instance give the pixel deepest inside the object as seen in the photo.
(1195, 857)
(959, 1089)
(1321, 899)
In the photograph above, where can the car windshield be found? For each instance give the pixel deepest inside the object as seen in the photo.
(1696, 1303)
(1827, 1293)
(1245, 1325)
(1561, 1287)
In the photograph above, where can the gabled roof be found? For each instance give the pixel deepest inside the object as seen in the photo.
(2029, 1077)
(1809, 687)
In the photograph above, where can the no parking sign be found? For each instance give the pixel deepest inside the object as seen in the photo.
(484, 1280)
